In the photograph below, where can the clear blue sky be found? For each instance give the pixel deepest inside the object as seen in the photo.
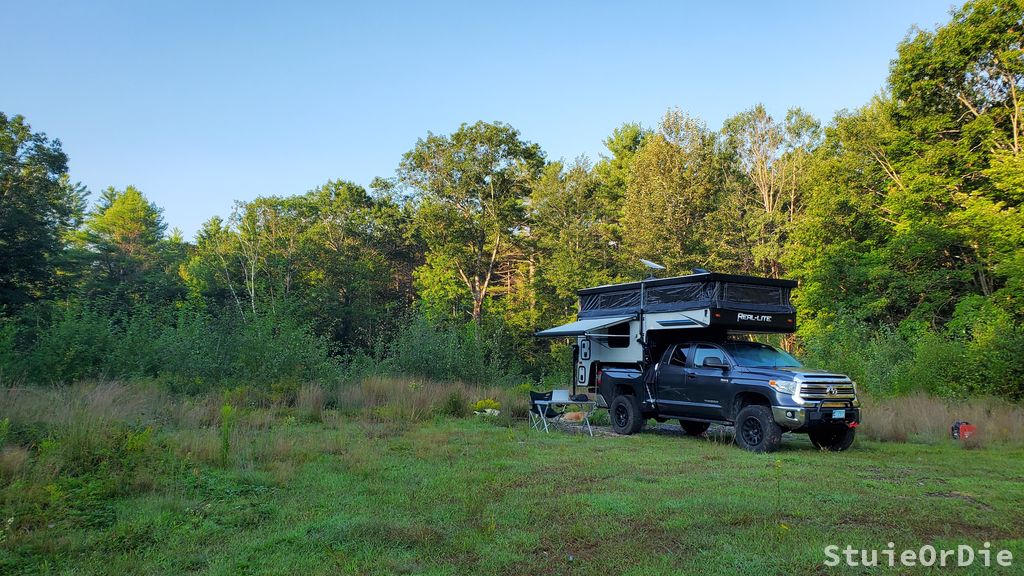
(202, 103)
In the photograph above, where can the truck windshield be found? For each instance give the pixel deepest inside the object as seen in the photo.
(757, 354)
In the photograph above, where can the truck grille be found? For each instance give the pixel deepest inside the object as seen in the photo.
(827, 388)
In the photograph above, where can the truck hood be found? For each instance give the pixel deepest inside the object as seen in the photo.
(789, 373)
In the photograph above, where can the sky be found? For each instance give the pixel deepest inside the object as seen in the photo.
(200, 104)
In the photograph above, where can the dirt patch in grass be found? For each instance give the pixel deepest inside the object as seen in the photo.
(961, 496)
(715, 432)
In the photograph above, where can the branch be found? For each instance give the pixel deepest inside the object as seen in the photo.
(965, 102)
(490, 265)
(879, 157)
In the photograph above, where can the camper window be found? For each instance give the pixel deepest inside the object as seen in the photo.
(750, 294)
(619, 335)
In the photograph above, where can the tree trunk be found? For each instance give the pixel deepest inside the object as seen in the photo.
(478, 306)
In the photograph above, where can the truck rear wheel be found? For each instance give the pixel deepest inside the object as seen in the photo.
(625, 415)
(832, 438)
(756, 429)
(694, 428)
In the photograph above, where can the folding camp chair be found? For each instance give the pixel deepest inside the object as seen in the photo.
(541, 410)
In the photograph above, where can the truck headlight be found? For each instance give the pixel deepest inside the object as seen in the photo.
(784, 386)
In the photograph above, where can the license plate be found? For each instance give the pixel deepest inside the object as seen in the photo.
(837, 414)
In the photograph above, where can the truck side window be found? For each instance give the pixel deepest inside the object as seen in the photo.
(679, 355)
(704, 351)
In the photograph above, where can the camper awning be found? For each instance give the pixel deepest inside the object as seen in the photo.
(581, 327)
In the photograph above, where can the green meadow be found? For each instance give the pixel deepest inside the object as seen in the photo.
(121, 482)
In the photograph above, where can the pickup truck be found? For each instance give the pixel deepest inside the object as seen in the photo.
(760, 390)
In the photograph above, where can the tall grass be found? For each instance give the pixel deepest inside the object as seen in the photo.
(922, 417)
(414, 399)
(67, 452)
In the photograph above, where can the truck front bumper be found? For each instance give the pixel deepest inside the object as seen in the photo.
(794, 418)
(789, 417)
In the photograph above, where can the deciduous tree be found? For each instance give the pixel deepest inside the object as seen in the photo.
(469, 189)
(38, 206)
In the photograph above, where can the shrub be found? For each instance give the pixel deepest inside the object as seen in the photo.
(76, 345)
(486, 404)
(190, 350)
(977, 355)
(442, 352)
(455, 404)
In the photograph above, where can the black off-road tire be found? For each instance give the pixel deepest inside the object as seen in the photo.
(625, 415)
(756, 429)
(694, 428)
(832, 438)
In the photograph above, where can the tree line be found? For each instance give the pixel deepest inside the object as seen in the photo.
(901, 220)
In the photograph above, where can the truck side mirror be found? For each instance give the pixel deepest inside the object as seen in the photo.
(714, 362)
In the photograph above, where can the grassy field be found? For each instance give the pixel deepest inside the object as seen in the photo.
(283, 490)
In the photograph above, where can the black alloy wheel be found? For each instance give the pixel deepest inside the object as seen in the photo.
(753, 433)
(621, 415)
(756, 429)
(625, 415)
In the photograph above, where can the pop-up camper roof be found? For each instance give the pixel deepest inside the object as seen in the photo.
(710, 290)
(727, 301)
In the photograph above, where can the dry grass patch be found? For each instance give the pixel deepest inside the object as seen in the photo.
(13, 460)
(201, 444)
(102, 402)
(412, 399)
(310, 402)
(927, 418)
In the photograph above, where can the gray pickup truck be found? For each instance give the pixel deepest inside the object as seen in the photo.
(682, 348)
(760, 390)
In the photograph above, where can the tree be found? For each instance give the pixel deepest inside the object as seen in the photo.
(334, 257)
(956, 164)
(773, 157)
(568, 226)
(834, 247)
(673, 185)
(38, 206)
(469, 190)
(124, 237)
(612, 171)
(915, 206)
(355, 261)
(612, 176)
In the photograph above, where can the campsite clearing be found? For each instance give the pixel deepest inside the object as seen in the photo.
(464, 496)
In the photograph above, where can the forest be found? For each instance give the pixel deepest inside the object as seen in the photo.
(901, 220)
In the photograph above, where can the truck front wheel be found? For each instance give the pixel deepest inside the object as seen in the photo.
(625, 415)
(832, 438)
(756, 429)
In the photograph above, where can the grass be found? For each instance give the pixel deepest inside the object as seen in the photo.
(924, 418)
(322, 486)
